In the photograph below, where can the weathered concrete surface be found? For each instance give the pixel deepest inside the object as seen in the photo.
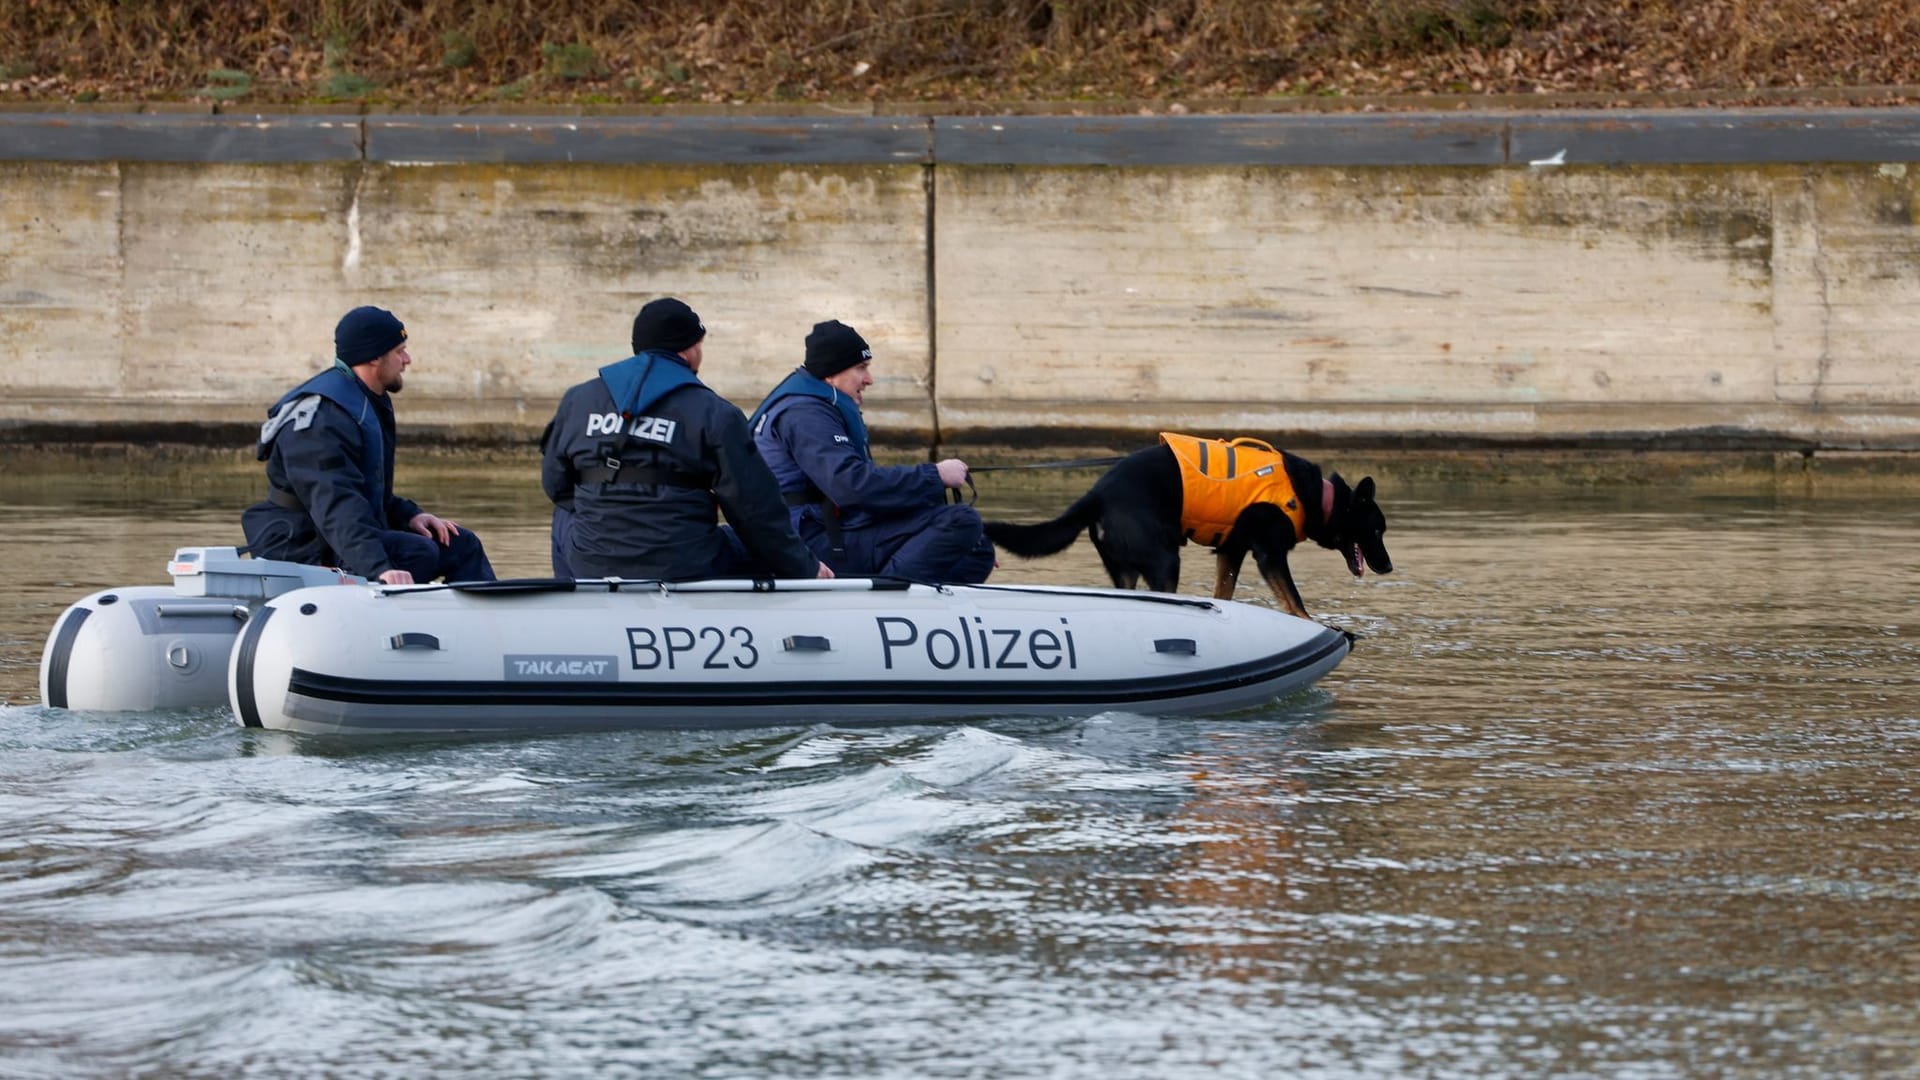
(1732, 281)
(150, 292)
(1499, 303)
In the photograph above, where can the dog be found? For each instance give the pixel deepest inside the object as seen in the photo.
(1140, 512)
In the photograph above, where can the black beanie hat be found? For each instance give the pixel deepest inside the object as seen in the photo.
(834, 347)
(366, 334)
(667, 324)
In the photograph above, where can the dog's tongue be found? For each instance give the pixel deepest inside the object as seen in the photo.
(1354, 562)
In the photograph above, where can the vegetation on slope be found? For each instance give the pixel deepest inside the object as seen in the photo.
(963, 52)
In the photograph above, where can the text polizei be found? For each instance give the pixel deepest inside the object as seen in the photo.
(971, 645)
(651, 428)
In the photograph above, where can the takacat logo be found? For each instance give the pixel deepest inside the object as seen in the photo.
(546, 668)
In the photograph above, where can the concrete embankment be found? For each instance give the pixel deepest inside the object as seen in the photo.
(1731, 284)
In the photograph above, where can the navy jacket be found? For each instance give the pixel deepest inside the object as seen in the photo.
(811, 448)
(665, 530)
(328, 445)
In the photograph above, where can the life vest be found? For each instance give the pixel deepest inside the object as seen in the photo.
(638, 382)
(1219, 478)
(803, 383)
(341, 386)
(635, 385)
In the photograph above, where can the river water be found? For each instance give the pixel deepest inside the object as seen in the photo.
(1616, 785)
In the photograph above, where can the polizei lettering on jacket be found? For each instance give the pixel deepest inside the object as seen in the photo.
(652, 428)
(967, 643)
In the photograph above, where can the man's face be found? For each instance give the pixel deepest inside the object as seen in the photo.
(389, 372)
(854, 381)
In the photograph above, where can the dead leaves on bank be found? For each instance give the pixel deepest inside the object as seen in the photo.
(957, 51)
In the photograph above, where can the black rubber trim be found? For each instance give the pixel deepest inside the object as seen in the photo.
(806, 643)
(414, 639)
(62, 650)
(512, 585)
(249, 643)
(453, 694)
(1183, 646)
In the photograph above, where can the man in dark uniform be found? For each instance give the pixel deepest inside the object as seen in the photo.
(644, 455)
(328, 445)
(861, 518)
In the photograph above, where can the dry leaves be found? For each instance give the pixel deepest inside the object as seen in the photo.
(778, 51)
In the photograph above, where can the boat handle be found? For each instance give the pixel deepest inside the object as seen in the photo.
(1183, 646)
(238, 611)
(414, 640)
(807, 643)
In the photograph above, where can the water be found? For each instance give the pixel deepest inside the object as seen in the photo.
(1615, 786)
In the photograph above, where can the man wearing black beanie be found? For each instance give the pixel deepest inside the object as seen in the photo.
(862, 519)
(640, 461)
(328, 445)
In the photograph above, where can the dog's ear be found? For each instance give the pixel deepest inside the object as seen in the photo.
(1365, 490)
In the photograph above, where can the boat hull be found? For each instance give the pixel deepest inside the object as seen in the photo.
(140, 648)
(553, 656)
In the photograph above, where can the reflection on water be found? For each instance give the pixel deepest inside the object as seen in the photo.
(1613, 786)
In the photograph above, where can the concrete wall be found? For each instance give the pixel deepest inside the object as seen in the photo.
(1604, 279)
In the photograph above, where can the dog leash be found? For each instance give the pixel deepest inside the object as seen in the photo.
(973, 493)
(1077, 463)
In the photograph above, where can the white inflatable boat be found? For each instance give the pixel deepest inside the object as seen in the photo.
(305, 648)
(143, 647)
(564, 655)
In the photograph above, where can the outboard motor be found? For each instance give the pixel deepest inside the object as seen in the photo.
(145, 647)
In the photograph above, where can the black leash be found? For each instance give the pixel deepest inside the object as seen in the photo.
(1077, 463)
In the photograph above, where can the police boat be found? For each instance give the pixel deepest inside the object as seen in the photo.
(553, 655)
(139, 648)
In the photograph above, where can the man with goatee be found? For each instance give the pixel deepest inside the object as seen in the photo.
(328, 445)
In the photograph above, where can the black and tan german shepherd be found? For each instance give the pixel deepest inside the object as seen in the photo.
(1133, 514)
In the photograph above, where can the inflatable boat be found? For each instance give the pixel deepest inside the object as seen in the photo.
(581, 655)
(309, 649)
(138, 648)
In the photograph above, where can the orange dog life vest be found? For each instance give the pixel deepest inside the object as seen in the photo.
(1220, 477)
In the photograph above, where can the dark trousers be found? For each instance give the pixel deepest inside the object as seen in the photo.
(560, 537)
(463, 558)
(274, 532)
(945, 543)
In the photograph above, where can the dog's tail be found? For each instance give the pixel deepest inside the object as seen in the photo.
(1046, 537)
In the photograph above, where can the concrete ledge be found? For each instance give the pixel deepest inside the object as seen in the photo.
(1221, 140)
(176, 138)
(1280, 139)
(652, 140)
(1717, 138)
